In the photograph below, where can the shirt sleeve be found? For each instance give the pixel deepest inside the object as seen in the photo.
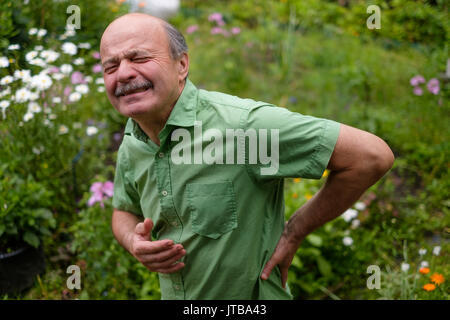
(125, 196)
(304, 143)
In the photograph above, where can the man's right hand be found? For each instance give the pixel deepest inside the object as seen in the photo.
(156, 256)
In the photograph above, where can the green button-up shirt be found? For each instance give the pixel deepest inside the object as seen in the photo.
(215, 185)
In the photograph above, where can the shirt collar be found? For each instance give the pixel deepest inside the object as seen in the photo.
(182, 115)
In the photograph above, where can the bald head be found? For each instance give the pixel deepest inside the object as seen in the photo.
(140, 22)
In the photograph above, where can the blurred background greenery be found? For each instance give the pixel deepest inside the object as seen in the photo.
(313, 57)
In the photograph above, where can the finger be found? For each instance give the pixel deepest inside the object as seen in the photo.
(168, 262)
(268, 268)
(162, 255)
(174, 268)
(284, 276)
(151, 247)
(144, 228)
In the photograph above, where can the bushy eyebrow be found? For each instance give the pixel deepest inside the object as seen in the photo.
(127, 55)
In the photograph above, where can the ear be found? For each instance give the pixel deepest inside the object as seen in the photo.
(183, 66)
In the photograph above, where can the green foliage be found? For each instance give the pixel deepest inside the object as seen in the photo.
(24, 212)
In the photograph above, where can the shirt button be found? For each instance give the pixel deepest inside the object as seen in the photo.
(161, 155)
(164, 193)
(175, 224)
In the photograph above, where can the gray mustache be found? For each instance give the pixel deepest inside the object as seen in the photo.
(145, 84)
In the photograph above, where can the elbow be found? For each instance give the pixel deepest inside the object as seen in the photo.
(380, 159)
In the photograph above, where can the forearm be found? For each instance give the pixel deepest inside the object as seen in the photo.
(340, 191)
(123, 226)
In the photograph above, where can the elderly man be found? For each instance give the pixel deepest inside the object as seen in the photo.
(209, 218)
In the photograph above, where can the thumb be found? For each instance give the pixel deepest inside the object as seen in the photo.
(268, 268)
(144, 228)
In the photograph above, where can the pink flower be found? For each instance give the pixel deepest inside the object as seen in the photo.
(215, 17)
(100, 191)
(217, 30)
(192, 29)
(418, 91)
(235, 30)
(433, 86)
(67, 91)
(97, 68)
(77, 77)
(416, 80)
(53, 69)
(96, 55)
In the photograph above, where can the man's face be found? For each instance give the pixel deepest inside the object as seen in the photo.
(141, 78)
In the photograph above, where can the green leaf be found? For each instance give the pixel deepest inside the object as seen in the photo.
(296, 262)
(31, 239)
(315, 240)
(324, 266)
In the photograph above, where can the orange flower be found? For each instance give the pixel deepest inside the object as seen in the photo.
(297, 180)
(437, 278)
(325, 173)
(429, 287)
(141, 4)
(295, 195)
(308, 196)
(424, 270)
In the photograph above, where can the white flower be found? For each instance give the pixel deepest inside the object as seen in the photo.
(41, 82)
(69, 48)
(88, 79)
(74, 96)
(25, 75)
(91, 130)
(33, 107)
(63, 129)
(57, 76)
(56, 100)
(360, 206)
(31, 55)
(48, 123)
(405, 266)
(422, 251)
(22, 95)
(437, 250)
(78, 61)
(5, 92)
(84, 45)
(348, 241)
(33, 96)
(39, 150)
(100, 81)
(101, 89)
(77, 125)
(82, 88)
(49, 55)
(3, 105)
(28, 116)
(13, 47)
(32, 31)
(52, 116)
(41, 33)
(38, 62)
(6, 80)
(349, 214)
(355, 223)
(38, 48)
(424, 264)
(66, 68)
(4, 62)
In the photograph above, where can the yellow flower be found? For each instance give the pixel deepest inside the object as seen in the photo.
(437, 278)
(308, 196)
(325, 173)
(424, 270)
(429, 287)
(295, 195)
(297, 180)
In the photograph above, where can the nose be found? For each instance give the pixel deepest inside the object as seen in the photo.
(125, 72)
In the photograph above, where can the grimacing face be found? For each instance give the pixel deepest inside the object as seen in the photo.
(141, 77)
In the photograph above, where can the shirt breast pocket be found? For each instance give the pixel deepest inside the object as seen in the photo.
(212, 207)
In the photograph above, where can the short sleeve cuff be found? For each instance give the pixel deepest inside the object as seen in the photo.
(324, 150)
